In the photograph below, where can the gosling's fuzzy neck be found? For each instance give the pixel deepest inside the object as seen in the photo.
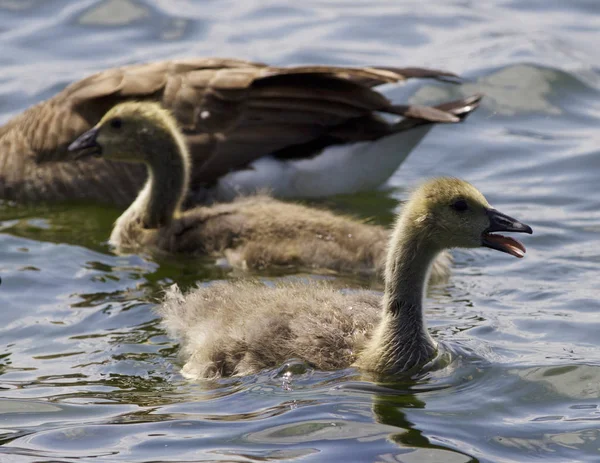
(401, 341)
(168, 174)
(168, 165)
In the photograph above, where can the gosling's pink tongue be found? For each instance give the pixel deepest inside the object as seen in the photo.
(511, 245)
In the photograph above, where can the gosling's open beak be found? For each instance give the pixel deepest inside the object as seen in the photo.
(86, 145)
(502, 222)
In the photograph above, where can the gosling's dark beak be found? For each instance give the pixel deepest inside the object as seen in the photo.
(502, 222)
(85, 145)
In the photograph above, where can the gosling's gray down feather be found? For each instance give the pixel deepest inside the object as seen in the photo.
(240, 327)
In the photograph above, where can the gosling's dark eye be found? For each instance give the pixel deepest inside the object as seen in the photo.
(459, 205)
(116, 123)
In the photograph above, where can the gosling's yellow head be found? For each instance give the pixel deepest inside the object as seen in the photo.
(453, 213)
(129, 132)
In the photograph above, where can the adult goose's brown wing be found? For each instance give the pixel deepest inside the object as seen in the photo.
(231, 111)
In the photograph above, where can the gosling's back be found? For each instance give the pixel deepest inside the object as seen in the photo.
(243, 327)
(259, 231)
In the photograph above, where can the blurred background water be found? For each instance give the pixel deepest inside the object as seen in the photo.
(87, 374)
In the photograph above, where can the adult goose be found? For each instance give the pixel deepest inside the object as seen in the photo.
(239, 328)
(253, 231)
(247, 125)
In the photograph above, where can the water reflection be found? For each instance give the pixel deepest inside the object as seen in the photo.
(388, 409)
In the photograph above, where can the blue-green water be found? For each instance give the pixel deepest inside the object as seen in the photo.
(87, 374)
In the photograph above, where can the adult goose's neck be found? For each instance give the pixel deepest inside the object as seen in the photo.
(168, 172)
(402, 341)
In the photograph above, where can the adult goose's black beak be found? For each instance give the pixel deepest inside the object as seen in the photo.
(502, 222)
(86, 145)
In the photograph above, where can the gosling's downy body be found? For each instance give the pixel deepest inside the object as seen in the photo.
(248, 125)
(253, 232)
(240, 328)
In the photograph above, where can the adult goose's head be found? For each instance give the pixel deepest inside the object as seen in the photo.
(130, 132)
(452, 213)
